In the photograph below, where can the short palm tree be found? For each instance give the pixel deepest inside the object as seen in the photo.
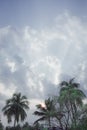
(15, 108)
(45, 113)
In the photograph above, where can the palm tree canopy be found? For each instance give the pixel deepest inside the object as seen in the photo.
(70, 91)
(15, 107)
(71, 83)
(45, 113)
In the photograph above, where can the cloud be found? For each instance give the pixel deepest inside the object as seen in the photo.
(33, 61)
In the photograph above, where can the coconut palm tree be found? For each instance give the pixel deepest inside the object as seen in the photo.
(15, 108)
(71, 97)
(45, 113)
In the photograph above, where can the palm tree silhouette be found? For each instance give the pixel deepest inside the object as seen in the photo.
(15, 107)
(45, 113)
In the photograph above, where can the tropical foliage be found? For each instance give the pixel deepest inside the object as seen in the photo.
(71, 101)
(45, 113)
(15, 107)
(66, 109)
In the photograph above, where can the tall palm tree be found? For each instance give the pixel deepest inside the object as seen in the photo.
(45, 113)
(15, 107)
(71, 97)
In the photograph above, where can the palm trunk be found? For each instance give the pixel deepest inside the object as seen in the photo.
(73, 114)
(49, 122)
(14, 123)
(68, 114)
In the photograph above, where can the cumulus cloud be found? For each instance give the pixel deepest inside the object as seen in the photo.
(33, 61)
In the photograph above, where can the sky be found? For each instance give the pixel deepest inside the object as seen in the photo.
(42, 42)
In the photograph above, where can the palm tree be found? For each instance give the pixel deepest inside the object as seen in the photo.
(45, 113)
(71, 97)
(15, 107)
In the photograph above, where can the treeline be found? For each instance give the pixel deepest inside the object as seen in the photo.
(66, 110)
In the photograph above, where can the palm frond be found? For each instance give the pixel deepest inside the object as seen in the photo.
(63, 89)
(76, 85)
(64, 83)
(71, 80)
(39, 113)
(40, 107)
(40, 119)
